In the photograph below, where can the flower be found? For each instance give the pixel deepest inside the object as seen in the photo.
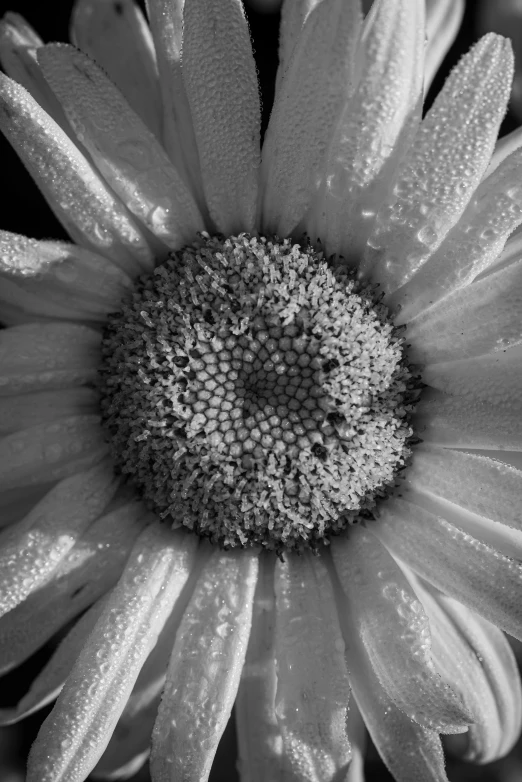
(329, 303)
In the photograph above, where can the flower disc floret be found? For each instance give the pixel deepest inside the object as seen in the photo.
(253, 395)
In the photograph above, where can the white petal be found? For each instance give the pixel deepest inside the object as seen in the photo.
(316, 85)
(78, 729)
(479, 319)
(18, 45)
(411, 752)
(221, 83)
(51, 355)
(26, 410)
(476, 658)
(166, 21)
(445, 164)
(312, 680)
(90, 569)
(204, 670)
(48, 452)
(458, 422)
(455, 562)
(374, 129)
(80, 199)
(260, 743)
(124, 150)
(33, 549)
(117, 37)
(395, 633)
(294, 14)
(496, 379)
(130, 741)
(58, 280)
(443, 19)
(482, 485)
(505, 146)
(474, 243)
(50, 680)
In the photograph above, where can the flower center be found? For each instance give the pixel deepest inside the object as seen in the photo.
(252, 395)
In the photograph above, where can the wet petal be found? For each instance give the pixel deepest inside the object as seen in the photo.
(481, 318)
(455, 562)
(166, 21)
(221, 82)
(204, 670)
(458, 422)
(395, 633)
(476, 658)
(47, 452)
(312, 681)
(505, 146)
(474, 243)
(316, 84)
(410, 751)
(58, 280)
(445, 164)
(83, 203)
(18, 45)
(260, 744)
(130, 741)
(26, 410)
(443, 19)
(48, 683)
(78, 729)
(484, 486)
(33, 549)
(117, 37)
(495, 379)
(124, 150)
(90, 569)
(374, 130)
(51, 355)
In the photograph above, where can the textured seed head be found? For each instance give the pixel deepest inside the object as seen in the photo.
(253, 396)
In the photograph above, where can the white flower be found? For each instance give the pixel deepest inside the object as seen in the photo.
(399, 619)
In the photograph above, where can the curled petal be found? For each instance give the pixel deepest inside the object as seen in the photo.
(395, 633)
(78, 729)
(443, 19)
(49, 452)
(90, 569)
(33, 549)
(380, 116)
(410, 751)
(50, 355)
(124, 150)
(225, 109)
(204, 670)
(481, 318)
(455, 562)
(474, 243)
(58, 280)
(84, 204)
(445, 163)
(476, 658)
(117, 37)
(18, 45)
(312, 681)
(316, 84)
(485, 486)
(48, 683)
(260, 744)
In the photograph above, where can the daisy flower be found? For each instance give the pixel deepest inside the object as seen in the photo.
(261, 417)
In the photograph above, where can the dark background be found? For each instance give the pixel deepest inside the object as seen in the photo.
(24, 211)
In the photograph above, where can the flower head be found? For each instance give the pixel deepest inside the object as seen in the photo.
(309, 350)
